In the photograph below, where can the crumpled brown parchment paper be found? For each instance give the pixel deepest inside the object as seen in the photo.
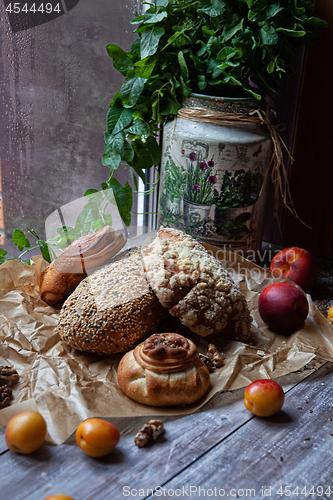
(67, 386)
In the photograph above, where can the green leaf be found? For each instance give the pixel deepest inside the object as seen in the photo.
(202, 84)
(214, 45)
(232, 81)
(138, 19)
(90, 191)
(154, 149)
(47, 253)
(118, 118)
(138, 127)
(225, 54)
(162, 3)
(108, 219)
(149, 41)
(214, 8)
(140, 173)
(186, 91)
(122, 197)
(86, 218)
(127, 153)
(231, 28)
(114, 142)
(134, 178)
(2, 252)
(20, 239)
(154, 18)
(183, 65)
(129, 195)
(170, 108)
(268, 34)
(145, 67)
(131, 90)
(108, 191)
(252, 92)
(262, 10)
(111, 159)
(214, 68)
(172, 39)
(121, 61)
(142, 158)
(271, 67)
(293, 33)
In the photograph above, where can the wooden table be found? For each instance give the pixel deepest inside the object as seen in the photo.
(220, 451)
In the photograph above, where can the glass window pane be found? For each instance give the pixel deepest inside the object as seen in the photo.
(56, 83)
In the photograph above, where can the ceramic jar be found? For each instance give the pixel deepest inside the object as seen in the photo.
(212, 176)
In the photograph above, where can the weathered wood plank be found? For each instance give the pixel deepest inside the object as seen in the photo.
(3, 446)
(294, 447)
(66, 469)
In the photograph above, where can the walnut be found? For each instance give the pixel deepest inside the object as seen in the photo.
(9, 374)
(157, 427)
(5, 396)
(213, 359)
(207, 361)
(149, 432)
(215, 356)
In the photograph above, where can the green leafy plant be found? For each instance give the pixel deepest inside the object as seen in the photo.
(199, 181)
(239, 189)
(24, 246)
(232, 48)
(175, 177)
(92, 218)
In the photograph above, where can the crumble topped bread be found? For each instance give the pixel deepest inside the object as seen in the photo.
(195, 287)
(111, 309)
(164, 370)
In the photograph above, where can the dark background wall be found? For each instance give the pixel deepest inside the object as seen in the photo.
(306, 109)
(311, 176)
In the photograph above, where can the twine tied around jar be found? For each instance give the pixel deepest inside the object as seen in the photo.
(279, 175)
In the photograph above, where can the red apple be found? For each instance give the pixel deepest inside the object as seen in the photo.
(264, 397)
(283, 306)
(296, 264)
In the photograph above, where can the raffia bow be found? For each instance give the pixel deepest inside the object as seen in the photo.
(279, 175)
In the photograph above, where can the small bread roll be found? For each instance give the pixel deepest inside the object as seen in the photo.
(111, 309)
(195, 287)
(88, 253)
(164, 370)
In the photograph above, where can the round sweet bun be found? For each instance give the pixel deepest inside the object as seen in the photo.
(164, 370)
(195, 287)
(112, 309)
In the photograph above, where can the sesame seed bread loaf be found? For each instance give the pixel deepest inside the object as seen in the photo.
(164, 370)
(111, 309)
(195, 287)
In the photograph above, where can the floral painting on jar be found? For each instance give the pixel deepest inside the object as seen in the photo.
(192, 200)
